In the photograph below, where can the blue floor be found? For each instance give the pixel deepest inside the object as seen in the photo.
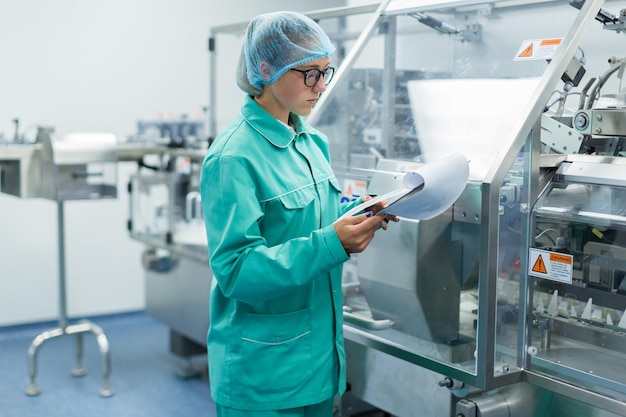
(143, 373)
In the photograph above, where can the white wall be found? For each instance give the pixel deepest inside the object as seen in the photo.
(95, 66)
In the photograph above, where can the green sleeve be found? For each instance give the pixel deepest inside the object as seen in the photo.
(243, 265)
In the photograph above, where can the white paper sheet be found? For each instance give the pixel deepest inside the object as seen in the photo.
(427, 191)
(470, 116)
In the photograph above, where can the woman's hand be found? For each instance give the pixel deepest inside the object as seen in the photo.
(379, 207)
(356, 232)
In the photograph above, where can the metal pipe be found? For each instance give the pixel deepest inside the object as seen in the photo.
(61, 250)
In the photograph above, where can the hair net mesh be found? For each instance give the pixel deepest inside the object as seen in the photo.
(283, 40)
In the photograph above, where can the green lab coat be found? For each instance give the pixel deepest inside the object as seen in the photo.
(269, 199)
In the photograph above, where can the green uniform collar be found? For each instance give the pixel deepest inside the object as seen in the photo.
(269, 127)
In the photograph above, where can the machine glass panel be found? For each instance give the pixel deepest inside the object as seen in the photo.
(166, 207)
(576, 259)
(341, 24)
(424, 82)
(150, 207)
(511, 250)
(578, 263)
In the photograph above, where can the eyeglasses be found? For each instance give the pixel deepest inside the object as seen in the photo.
(312, 76)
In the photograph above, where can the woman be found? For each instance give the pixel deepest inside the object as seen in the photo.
(271, 206)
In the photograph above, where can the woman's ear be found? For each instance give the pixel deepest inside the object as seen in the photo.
(266, 71)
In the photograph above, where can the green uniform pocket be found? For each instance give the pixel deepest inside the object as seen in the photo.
(276, 351)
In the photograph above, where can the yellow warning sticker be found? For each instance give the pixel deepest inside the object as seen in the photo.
(550, 265)
(537, 49)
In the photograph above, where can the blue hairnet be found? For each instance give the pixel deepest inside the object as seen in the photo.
(283, 40)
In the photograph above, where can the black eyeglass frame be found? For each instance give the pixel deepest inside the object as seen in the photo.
(317, 77)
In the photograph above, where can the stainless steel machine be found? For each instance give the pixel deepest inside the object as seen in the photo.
(515, 296)
(166, 216)
(510, 303)
(80, 166)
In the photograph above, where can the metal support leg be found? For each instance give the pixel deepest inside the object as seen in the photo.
(79, 370)
(64, 328)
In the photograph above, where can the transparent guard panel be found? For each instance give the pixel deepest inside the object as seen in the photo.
(579, 325)
(512, 248)
(166, 207)
(425, 82)
(150, 207)
(342, 26)
(577, 256)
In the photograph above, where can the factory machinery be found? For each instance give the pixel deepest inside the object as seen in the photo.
(512, 302)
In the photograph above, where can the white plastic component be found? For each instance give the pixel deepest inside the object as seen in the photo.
(553, 306)
(540, 307)
(587, 311)
(596, 314)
